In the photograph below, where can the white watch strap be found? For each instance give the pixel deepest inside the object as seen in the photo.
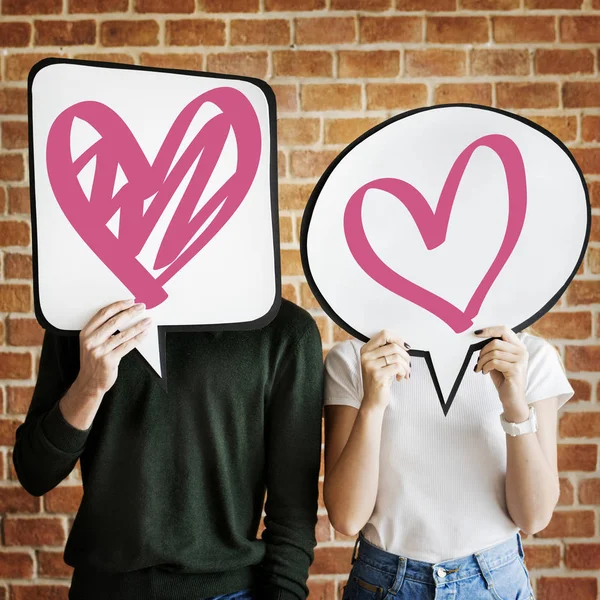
(528, 426)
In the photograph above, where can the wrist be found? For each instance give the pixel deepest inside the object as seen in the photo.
(516, 412)
(372, 406)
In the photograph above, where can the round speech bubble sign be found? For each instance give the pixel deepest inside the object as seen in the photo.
(441, 221)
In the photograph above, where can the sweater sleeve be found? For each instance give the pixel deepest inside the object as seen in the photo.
(47, 447)
(293, 433)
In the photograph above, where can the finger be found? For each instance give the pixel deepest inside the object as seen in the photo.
(502, 346)
(500, 331)
(390, 359)
(386, 350)
(495, 355)
(120, 351)
(396, 370)
(116, 322)
(104, 314)
(496, 364)
(125, 335)
(381, 339)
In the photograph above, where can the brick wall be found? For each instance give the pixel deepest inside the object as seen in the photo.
(338, 67)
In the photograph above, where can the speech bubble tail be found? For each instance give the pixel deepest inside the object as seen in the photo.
(447, 365)
(152, 350)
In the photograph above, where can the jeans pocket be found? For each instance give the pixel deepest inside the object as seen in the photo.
(366, 582)
(511, 581)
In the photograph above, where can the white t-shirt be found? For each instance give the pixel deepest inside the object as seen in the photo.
(441, 491)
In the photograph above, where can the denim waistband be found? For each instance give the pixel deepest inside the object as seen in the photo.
(447, 571)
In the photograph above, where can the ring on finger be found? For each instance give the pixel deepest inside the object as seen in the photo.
(386, 360)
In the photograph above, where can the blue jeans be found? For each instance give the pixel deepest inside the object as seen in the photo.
(497, 573)
(241, 595)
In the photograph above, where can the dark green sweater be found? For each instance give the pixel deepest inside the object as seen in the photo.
(174, 481)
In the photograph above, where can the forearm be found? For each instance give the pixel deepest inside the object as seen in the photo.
(350, 487)
(532, 487)
(80, 404)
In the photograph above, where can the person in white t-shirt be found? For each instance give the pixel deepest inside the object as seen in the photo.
(438, 501)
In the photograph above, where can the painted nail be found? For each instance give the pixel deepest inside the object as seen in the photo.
(475, 369)
(407, 346)
(478, 331)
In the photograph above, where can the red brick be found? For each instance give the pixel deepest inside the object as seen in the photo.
(583, 292)
(195, 32)
(263, 32)
(31, 7)
(303, 63)
(126, 59)
(190, 62)
(33, 532)
(325, 30)
(565, 128)
(344, 131)
(15, 297)
(581, 94)
(588, 159)
(577, 457)
(14, 135)
(63, 499)
(65, 33)
(594, 191)
(98, 6)
(51, 564)
(476, 93)
(579, 588)
(553, 61)
(540, 557)
(582, 556)
(129, 33)
(17, 266)
(565, 325)
(570, 523)
(291, 263)
(286, 97)
(582, 358)
(364, 5)
(376, 63)
(15, 365)
(337, 96)
(18, 399)
(310, 163)
(395, 95)
(567, 493)
(580, 29)
(7, 431)
(286, 230)
(508, 30)
(390, 29)
(321, 590)
(14, 233)
(17, 500)
(39, 592)
(13, 101)
(19, 65)
(582, 389)
(307, 298)
(457, 30)
(294, 5)
(24, 332)
(583, 424)
(224, 6)
(281, 164)
(16, 565)
(590, 128)
(427, 5)
(593, 259)
(527, 95)
(298, 131)
(16, 35)
(331, 560)
(436, 62)
(589, 491)
(160, 6)
(253, 64)
(490, 4)
(288, 291)
(11, 169)
(500, 62)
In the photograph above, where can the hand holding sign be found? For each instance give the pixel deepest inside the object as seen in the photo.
(442, 221)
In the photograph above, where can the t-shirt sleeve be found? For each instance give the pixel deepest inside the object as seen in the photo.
(545, 375)
(343, 382)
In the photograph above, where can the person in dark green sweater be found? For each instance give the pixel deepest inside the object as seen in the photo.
(174, 480)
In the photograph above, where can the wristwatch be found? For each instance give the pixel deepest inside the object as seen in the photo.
(528, 426)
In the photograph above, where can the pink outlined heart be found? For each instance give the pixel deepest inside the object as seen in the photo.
(118, 146)
(433, 227)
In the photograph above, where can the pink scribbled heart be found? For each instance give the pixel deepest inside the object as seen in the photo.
(433, 226)
(118, 146)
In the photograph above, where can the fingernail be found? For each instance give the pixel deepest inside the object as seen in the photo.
(147, 321)
(475, 369)
(407, 346)
(140, 305)
(478, 331)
